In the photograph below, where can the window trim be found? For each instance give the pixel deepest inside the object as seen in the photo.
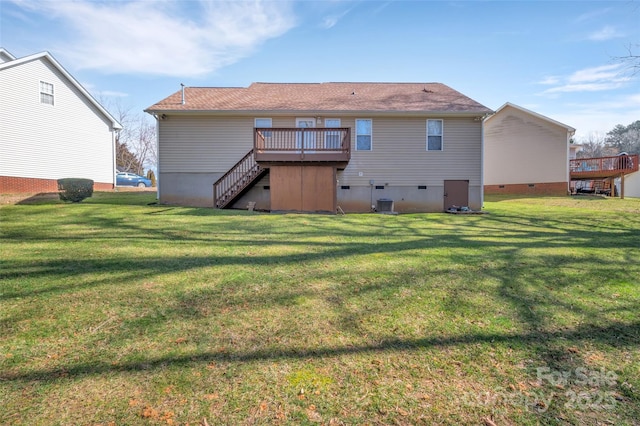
(255, 121)
(44, 94)
(370, 134)
(441, 135)
(328, 134)
(255, 125)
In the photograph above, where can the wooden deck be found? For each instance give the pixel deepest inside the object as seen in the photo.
(603, 167)
(302, 145)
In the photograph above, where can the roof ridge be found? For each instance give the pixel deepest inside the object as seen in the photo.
(349, 82)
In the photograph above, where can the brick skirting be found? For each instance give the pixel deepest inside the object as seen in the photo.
(553, 188)
(20, 185)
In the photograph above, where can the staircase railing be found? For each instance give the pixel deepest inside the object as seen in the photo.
(244, 173)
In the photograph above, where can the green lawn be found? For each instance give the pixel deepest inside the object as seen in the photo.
(120, 311)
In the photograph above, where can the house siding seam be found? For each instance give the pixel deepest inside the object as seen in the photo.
(69, 139)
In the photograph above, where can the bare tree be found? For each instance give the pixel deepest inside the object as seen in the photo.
(143, 142)
(593, 145)
(136, 142)
(632, 60)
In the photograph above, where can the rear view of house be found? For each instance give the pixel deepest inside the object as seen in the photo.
(51, 128)
(525, 153)
(413, 147)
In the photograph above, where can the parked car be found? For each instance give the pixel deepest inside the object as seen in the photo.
(131, 179)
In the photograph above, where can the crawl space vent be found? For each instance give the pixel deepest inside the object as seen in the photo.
(384, 205)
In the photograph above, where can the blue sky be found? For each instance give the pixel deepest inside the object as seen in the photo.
(554, 57)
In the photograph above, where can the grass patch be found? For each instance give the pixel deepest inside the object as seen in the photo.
(120, 310)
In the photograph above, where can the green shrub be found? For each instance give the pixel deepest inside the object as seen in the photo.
(75, 189)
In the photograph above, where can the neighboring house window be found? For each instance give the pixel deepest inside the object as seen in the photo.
(363, 135)
(434, 135)
(46, 93)
(264, 122)
(332, 139)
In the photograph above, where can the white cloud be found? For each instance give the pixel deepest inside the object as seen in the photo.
(100, 94)
(587, 87)
(591, 15)
(331, 20)
(184, 39)
(593, 79)
(593, 74)
(600, 116)
(618, 103)
(112, 94)
(606, 33)
(549, 81)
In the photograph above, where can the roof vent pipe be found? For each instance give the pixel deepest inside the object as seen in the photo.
(182, 86)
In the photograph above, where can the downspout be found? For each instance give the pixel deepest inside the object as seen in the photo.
(482, 163)
(114, 154)
(157, 158)
(569, 136)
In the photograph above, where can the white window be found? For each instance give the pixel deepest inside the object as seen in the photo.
(262, 123)
(363, 134)
(434, 135)
(332, 139)
(46, 93)
(306, 139)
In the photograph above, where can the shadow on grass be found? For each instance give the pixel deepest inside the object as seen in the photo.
(129, 269)
(41, 198)
(528, 257)
(617, 335)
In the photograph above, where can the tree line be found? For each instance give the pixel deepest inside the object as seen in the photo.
(619, 139)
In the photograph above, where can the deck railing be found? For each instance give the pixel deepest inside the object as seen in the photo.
(303, 144)
(603, 166)
(239, 177)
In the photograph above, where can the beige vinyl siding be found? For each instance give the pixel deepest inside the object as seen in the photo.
(206, 144)
(69, 139)
(400, 157)
(203, 144)
(196, 150)
(521, 148)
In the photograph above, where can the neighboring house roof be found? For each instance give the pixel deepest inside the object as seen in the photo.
(535, 114)
(47, 57)
(319, 97)
(5, 56)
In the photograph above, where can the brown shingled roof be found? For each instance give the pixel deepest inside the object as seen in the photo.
(318, 97)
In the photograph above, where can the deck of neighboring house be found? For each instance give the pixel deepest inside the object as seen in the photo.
(604, 169)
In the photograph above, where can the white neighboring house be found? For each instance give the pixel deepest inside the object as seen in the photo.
(51, 128)
(631, 185)
(574, 149)
(526, 153)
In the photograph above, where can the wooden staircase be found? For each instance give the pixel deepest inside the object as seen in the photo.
(238, 180)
